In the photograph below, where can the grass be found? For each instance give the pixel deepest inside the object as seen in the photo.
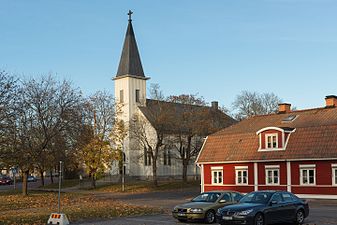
(146, 186)
(36, 207)
(65, 184)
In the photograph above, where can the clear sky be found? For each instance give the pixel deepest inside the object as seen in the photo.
(215, 48)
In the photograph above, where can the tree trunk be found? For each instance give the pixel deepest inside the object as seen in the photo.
(154, 171)
(93, 180)
(24, 182)
(185, 165)
(51, 176)
(42, 177)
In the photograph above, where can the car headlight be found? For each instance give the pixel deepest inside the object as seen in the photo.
(197, 210)
(219, 210)
(244, 213)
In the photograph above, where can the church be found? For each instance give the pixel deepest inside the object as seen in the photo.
(130, 93)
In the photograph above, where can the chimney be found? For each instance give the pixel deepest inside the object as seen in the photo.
(215, 105)
(284, 108)
(331, 101)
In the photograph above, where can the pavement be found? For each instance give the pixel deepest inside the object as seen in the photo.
(322, 212)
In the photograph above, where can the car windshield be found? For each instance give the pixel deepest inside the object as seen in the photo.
(207, 197)
(256, 197)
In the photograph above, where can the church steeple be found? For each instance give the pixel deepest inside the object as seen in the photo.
(130, 63)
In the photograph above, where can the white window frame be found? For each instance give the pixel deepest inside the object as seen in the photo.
(215, 172)
(334, 174)
(266, 141)
(241, 169)
(307, 168)
(272, 168)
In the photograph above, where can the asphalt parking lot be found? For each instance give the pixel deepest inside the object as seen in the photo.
(322, 212)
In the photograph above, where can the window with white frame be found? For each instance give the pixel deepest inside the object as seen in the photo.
(334, 174)
(271, 141)
(307, 174)
(217, 174)
(241, 175)
(272, 175)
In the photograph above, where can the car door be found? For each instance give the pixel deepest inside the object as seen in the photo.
(289, 206)
(275, 211)
(225, 199)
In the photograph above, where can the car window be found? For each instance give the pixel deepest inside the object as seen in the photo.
(236, 196)
(207, 197)
(226, 197)
(256, 197)
(277, 197)
(287, 197)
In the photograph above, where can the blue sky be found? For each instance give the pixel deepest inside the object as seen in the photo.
(215, 48)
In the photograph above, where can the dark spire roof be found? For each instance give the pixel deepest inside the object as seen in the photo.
(130, 63)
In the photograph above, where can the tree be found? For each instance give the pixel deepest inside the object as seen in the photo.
(8, 96)
(192, 122)
(150, 135)
(98, 117)
(249, 104)
(97, 156)
(117, 137)
(45, 110)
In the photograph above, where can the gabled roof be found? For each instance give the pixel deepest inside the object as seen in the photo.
(130, 63)
(152, 110)
(315, 137)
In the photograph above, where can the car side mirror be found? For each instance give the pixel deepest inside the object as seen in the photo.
(273, 202)
(222, 201)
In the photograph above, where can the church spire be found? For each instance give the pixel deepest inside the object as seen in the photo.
(130, 63)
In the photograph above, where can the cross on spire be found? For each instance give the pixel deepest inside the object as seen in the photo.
(130, 14)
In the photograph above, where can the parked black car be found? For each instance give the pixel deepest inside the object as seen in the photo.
(265, 207)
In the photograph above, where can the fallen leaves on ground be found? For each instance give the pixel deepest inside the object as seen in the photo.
(36, 208)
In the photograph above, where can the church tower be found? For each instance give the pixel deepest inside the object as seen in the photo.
(130, 86)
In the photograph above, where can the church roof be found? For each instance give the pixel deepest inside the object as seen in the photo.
(153, 111)
(130, 63)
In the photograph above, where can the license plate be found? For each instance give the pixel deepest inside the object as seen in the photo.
(227, 218)
(181, 214)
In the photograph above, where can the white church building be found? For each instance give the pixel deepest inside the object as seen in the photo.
(130, 92)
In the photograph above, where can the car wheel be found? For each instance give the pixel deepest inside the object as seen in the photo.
(299, 216)
(210, 216)
(182, 220)
(259, 219)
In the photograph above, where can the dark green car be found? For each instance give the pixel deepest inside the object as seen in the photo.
(205, 205)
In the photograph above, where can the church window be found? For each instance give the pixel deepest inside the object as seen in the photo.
(147, 158)
(121, 96)
(137, 95)
(167, 157)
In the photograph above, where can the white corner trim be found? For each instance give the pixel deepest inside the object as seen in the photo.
(256, 178)
(202, 148)
(202, 178)
(333, 165)
(289, 176)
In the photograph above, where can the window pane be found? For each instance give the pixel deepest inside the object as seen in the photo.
(137, 95)
(121, 96)
(274, 142)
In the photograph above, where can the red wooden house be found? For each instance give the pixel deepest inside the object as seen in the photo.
(290, 150)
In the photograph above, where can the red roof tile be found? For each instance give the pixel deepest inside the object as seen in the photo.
(315, 137)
